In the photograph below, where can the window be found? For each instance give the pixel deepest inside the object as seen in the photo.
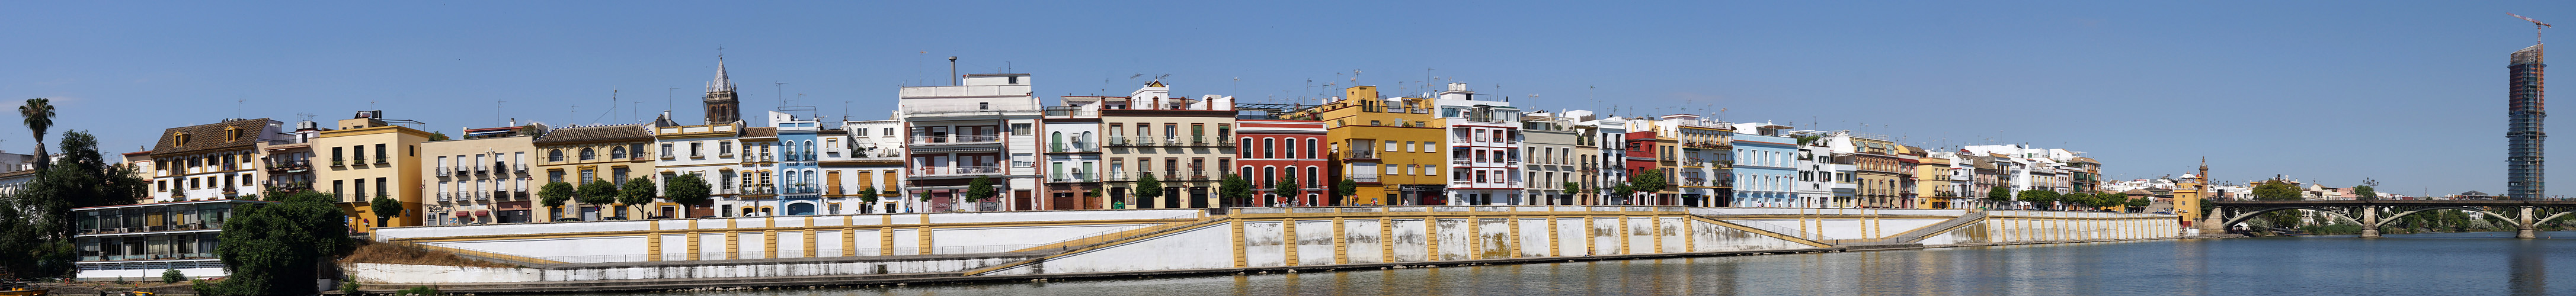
(695, 148)
(1269, 148)
(587, 154)
(358, 152)
(381, 153)
(666, 149)
(1310, 149)
(614, 153)
(1431, 170)
(1390, 146)
(554, 155)
(724, 148)
(1021, 129)
(983, 106)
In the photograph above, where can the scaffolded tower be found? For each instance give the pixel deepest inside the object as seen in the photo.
(2523, 177)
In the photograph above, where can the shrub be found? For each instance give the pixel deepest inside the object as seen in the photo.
(418, 291)
(172, 276)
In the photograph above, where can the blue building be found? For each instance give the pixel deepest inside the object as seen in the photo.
(800, 183)
(1765, 166)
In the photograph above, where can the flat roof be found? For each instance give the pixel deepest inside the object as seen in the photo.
(174, 203)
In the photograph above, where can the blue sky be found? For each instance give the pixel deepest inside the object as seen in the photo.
(2408, 93)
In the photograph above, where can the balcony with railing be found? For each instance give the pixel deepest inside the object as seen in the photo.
(1360, 154)
(482, 170)
(443, 171)
(282, 166)
(339, 163)
(1071, 177)
(800, 189)
(956, 171)
(461, 170)
(956, 139)
(1364, 179)
(1118, 176)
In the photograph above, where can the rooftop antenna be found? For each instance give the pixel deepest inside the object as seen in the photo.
(2535, 28)
(496, 108)
(667, 99)
(781, 87)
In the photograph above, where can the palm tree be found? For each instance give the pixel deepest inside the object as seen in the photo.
(39, 113)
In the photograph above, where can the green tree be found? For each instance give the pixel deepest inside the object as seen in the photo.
(2276, 190)
(2138, 204)
(438, 136)
(1343, 190)
(2041, 198)
(2365, 192)
(981, 189)
(867, 194)
(554, 194)
(1621, 189)
(386, 208)
(38, 115)
(639, 193)
(687, 189)
(596, 192)
(1234, 189)
(38, 234)
(1998, 193)
(1147, 189)
(279, 249)
(1288, 188)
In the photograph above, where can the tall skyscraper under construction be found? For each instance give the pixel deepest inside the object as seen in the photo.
(2526, 108)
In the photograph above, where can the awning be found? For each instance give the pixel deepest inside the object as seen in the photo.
(461, 213)
(482, 213)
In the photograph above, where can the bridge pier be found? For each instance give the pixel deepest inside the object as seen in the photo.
(2523, 224)
(2369, 222)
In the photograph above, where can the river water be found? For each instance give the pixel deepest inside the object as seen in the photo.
(2489, 263)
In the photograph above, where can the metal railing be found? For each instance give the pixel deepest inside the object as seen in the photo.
(956, 139)
(947, 171)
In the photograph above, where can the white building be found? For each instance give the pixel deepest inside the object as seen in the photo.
(1484, 148)
(983, 128)
(867, 155)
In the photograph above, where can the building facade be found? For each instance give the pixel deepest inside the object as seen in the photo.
(482, 178)
(141, 241)
(982, 129)
(580, 155)
(1765, 167)
(1484, 148)
(211, 161)
(371, 158)
(1275, 150)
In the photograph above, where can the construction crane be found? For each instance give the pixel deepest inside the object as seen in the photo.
(2535, 28)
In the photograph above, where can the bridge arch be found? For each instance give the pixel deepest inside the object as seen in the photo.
(2241, 218)
(2393, 218)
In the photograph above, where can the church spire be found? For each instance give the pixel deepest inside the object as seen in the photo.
(722, 83)
(720, 104)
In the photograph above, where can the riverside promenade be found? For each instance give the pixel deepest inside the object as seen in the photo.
(1018, 246)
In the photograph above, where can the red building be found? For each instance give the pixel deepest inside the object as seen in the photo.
(1640, 148)
(1270, 150)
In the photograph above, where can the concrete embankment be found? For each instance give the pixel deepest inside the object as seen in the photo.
(1246, 240)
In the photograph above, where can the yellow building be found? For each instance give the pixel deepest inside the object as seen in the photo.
(575, 155)
(1933, 184)
(369, 159)
(2188, 195)
(1386, 145)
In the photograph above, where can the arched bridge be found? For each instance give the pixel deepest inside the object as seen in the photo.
(2372, 214)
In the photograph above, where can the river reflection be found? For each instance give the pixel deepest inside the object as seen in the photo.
(2421, 264)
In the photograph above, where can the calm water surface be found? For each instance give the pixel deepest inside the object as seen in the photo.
(2421, 264)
